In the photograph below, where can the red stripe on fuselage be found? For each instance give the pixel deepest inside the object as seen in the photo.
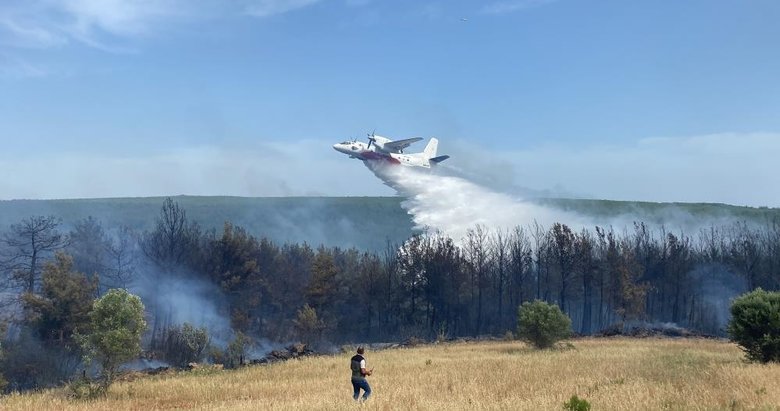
(373, 155)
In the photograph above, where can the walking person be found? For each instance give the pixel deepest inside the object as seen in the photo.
(359, 374)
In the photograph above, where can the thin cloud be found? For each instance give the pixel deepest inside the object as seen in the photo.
(265, 8)
(102, 23)
(119, 17)
(504, 7)
(732, 168)
(16, 68)
(298, 168)
(21, 34)
(357, 3)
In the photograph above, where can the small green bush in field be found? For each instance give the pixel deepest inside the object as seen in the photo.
(576, 403)
(542, 324)
(755, 325)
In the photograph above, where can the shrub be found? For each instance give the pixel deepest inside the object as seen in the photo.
(576, 403)
(509, 336)
(215, 355)
(755, 325)
(235, 353)
(184, 345)
(84, 388)
(442, 334)
(542, 324)
(414, 341)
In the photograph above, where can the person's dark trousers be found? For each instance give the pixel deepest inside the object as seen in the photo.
(357, 385)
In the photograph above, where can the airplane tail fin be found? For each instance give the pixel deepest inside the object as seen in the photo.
(430, 152)
(430, 149)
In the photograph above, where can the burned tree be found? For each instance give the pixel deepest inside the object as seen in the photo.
(174, 239)
(170, 248)
(478, 262)
(500, 247)
(520, 262)
(28, 242)
(87, 246)
(121, 255)
(563, 254)
(586, 266)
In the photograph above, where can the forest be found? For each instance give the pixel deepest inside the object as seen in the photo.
(231, 282)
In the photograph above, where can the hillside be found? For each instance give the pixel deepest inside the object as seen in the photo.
(611, 374)
(363, 222)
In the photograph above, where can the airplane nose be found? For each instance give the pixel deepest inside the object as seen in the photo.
(336, 147)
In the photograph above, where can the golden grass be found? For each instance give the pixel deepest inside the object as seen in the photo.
(612, 374)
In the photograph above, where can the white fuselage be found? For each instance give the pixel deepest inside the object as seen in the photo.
(361, 151)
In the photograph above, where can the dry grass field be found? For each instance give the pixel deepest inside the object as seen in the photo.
(612, 374)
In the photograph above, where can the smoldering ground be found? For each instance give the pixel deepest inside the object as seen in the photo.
(176, 298)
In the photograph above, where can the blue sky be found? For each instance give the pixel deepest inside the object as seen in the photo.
(634, 100)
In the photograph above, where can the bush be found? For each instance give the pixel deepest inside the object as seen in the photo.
(576, 403)
(542, 324)
(83, 388)
(755, 325)
(215, 355)
(509, 336)
(184, 345)
(235, 353)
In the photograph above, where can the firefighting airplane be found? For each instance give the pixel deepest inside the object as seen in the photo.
(383, 149)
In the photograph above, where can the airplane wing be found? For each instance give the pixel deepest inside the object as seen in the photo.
(399, 145)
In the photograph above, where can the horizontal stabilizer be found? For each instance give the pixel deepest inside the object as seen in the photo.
(439, 159)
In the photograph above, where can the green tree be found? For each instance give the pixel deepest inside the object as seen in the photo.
(324, 283)
(542, 324)
(308, 325)
(117, 323)
(231, 262)
(64, 304)
(755, 325)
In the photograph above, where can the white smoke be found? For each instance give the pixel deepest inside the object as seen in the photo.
(453, 205)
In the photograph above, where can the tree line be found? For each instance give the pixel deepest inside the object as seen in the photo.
(430, 286)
